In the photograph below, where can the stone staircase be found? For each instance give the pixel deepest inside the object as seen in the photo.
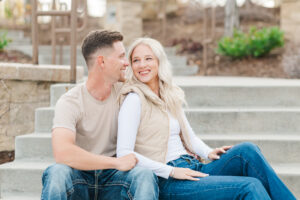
(179, 63)
(225, 111)
(21, 179)
(221, 111)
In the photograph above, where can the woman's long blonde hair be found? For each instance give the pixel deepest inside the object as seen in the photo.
(169, 92)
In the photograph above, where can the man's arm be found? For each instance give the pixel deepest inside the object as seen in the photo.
(67, 152)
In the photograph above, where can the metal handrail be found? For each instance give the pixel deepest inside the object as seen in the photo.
(73, 14)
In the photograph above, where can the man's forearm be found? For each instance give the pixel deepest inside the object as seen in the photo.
(81, 159)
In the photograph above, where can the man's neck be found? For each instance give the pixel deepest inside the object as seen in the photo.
(98, 87)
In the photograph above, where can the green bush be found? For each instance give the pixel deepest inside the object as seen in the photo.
(255, 43)
(3, 40)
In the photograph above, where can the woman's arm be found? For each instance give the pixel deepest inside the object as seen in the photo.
(128, 123)
(199, 147)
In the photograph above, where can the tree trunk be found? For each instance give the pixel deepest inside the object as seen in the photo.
(231, 17)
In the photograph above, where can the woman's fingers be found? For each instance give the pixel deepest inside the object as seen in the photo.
(196, 174)
(191, 178)
(187, 174)
(227, 147)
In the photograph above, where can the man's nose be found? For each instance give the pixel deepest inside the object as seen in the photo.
(126, 63)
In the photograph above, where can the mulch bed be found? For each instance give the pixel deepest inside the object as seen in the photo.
(7, 156)
(14, 56)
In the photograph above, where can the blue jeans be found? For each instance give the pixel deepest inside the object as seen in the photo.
(61, 182)
(241, 173)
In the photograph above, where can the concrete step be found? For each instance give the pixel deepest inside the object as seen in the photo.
(217, 121)
(44, 119)
(15, 34)
(170, 50)
(44, 49)
(36, 146)
(186, 71)
(277, 149)
(23, 196)
(57, 90)
(31, 173)
(240, 92)
(47, 49)
(21, 178)
(290, 175)
(178, 61)
(273, 121)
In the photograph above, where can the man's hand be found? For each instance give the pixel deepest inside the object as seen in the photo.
(215, 154)
(186, 174)
(126, 163)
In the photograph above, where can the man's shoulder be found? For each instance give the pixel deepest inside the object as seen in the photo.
(72, 95)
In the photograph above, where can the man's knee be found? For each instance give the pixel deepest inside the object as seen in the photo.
(144, 175)
(57, 174)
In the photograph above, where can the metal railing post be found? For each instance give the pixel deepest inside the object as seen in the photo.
(73, 41)
(53, 34)
(73, 14)
(34, 30)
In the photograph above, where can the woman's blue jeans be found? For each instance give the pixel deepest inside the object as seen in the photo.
(61, 182)
(241, 173)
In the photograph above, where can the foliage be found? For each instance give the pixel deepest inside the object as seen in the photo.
(256, 43)
(3, 40)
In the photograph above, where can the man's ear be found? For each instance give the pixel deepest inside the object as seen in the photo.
(100, 61)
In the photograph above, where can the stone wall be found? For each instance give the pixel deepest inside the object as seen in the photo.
(290, 19)
(23, 88)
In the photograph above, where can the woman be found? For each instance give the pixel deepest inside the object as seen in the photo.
(152, 124)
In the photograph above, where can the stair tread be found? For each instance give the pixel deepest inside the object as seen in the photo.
(270, 137)
(35, 135)
(287, 168)
(235, 81)
(26, 165)
(244, 109)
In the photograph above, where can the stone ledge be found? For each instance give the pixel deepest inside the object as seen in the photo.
(52, 73)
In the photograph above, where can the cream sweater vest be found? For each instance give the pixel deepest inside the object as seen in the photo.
(153, 132)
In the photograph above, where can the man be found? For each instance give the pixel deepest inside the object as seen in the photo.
(85, 129)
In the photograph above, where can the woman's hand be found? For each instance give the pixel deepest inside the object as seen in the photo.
(215, 154)
(186, 174)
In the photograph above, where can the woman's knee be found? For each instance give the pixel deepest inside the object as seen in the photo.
(247, 148)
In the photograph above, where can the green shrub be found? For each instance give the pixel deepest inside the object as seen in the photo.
(3, 40)
(255, 43)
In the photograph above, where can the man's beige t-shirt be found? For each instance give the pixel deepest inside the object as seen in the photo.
(94, 122)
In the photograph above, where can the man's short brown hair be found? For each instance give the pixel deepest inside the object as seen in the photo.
(96, 40)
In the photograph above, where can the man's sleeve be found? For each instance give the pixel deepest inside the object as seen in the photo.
(66, 115)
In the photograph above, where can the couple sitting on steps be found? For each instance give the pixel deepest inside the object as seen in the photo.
(132, 140)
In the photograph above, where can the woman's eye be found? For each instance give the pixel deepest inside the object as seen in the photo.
(134, 61)
(149, 58)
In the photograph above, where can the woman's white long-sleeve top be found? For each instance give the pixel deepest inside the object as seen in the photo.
(128, 124)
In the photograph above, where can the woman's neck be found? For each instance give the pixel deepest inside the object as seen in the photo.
(154, 86)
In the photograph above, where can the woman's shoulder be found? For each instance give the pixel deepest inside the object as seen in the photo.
(133, 98)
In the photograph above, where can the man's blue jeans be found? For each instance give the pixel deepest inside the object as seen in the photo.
(241, 173)
(61, 182)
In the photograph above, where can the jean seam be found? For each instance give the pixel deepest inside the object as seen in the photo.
(96, 186)
(248, 163)
(215, 189)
